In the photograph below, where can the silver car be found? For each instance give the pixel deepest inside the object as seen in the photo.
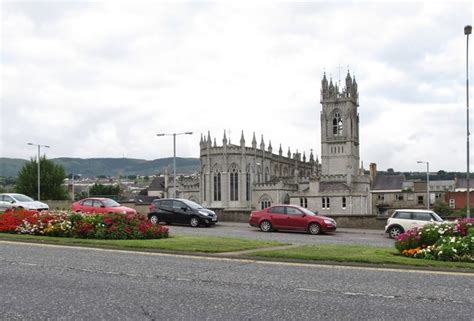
(8, 200)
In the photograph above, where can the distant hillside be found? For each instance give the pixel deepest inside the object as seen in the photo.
(9, 167)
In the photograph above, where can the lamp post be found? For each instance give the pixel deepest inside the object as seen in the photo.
(174, 156)
(467, 32)
(427, 182)
(39, 152)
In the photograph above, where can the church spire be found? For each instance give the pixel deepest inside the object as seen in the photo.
(242, 140)
(254, 141)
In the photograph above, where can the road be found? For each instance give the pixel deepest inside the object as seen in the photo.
(41, 282)
(342, 236)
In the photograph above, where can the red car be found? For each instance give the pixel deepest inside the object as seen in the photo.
(291, 218)
(100, 205)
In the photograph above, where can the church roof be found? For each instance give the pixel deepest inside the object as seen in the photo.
(332, 186)
(157, 184)
(388, 182)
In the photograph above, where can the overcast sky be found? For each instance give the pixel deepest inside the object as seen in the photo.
(101, 79)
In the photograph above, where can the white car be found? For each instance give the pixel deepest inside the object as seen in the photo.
(8, 200)
(405, 219)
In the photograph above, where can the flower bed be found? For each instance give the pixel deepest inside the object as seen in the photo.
(449, 241)
(112, 226)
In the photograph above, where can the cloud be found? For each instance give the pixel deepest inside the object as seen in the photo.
(102, 79)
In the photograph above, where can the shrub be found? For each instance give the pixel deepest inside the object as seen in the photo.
(112, 226)
(449, 241)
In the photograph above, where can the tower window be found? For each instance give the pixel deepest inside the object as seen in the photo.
(337, 124)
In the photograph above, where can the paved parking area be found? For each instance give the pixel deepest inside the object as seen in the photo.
(243, 230)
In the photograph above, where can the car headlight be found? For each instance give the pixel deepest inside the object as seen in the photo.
(330, 222)
(204, 213)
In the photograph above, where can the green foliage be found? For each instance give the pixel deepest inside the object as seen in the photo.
(104, 190)
(443, 209)
(51, 180)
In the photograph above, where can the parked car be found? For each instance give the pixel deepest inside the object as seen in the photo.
(291, 217)
(8, 200)
(100, 205)
(404, 219)
(183, 211)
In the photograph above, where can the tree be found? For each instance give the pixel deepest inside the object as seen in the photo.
(52, 178)
(104, 190)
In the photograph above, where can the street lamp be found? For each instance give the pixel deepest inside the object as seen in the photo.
(39, 152)
(467, 32)
(174, 156)
(427, 182)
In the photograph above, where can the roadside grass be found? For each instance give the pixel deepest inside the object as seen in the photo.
(355, 254)
(180, 243)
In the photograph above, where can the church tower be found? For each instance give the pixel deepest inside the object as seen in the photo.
(340, 129)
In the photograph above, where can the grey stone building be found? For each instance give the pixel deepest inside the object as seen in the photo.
(243, 178)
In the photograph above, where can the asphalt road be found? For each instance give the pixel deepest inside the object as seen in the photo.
(342, 236)
(40, 282)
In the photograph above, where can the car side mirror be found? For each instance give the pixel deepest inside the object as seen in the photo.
(12, 202)
(184, 208)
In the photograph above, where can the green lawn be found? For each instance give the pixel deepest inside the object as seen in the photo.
(355, 254)
(181, 243)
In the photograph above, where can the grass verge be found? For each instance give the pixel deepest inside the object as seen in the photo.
(180, 243)
(356, 254)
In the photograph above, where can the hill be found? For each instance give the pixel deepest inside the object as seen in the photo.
(9, 167)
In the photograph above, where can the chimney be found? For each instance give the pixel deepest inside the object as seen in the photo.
(373, 171)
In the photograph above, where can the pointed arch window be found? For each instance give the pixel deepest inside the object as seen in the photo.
(337, 124)
(234, 183)
(217, 186)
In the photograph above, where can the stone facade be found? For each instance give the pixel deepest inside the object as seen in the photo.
(239, 177)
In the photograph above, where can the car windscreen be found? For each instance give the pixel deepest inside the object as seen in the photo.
(308, 212)
(192, 204)
(22, 198)
(110, 203)
(437, 217)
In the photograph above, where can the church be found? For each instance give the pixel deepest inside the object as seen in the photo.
(241, 178)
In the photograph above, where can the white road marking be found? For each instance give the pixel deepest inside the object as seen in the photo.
(223, 259)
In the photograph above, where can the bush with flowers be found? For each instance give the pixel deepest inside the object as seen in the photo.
(449, 241)
(111, 226)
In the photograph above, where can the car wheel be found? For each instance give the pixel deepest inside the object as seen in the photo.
(265, 226)
(154, 219)
(395, 231)
(314, 229)
(194, 221)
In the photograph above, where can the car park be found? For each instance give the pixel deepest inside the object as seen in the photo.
(100, 205)
(404, 219)
(9, 200)
(181, 211)
(291, 218)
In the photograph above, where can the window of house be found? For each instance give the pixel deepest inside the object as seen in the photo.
(305, 202)
(344, 202)
(452, 203)
(323, 202)
(327, 203)
(301, 201)
(421, 200)
(381, 197)
(399, 197)
(438, 196)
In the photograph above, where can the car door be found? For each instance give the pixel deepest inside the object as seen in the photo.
(87, 206)
(181, 212)
(165, 212)
(99, 207)
(278, 217)
(420, 219)
(296, 219)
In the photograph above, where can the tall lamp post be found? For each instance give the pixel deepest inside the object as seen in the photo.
(467, 32)
(174, 156)
(39, 152)
(427, 182)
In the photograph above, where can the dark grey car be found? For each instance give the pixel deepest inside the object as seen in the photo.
(181, 211)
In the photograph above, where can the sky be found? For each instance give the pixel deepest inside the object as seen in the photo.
(101, 79)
